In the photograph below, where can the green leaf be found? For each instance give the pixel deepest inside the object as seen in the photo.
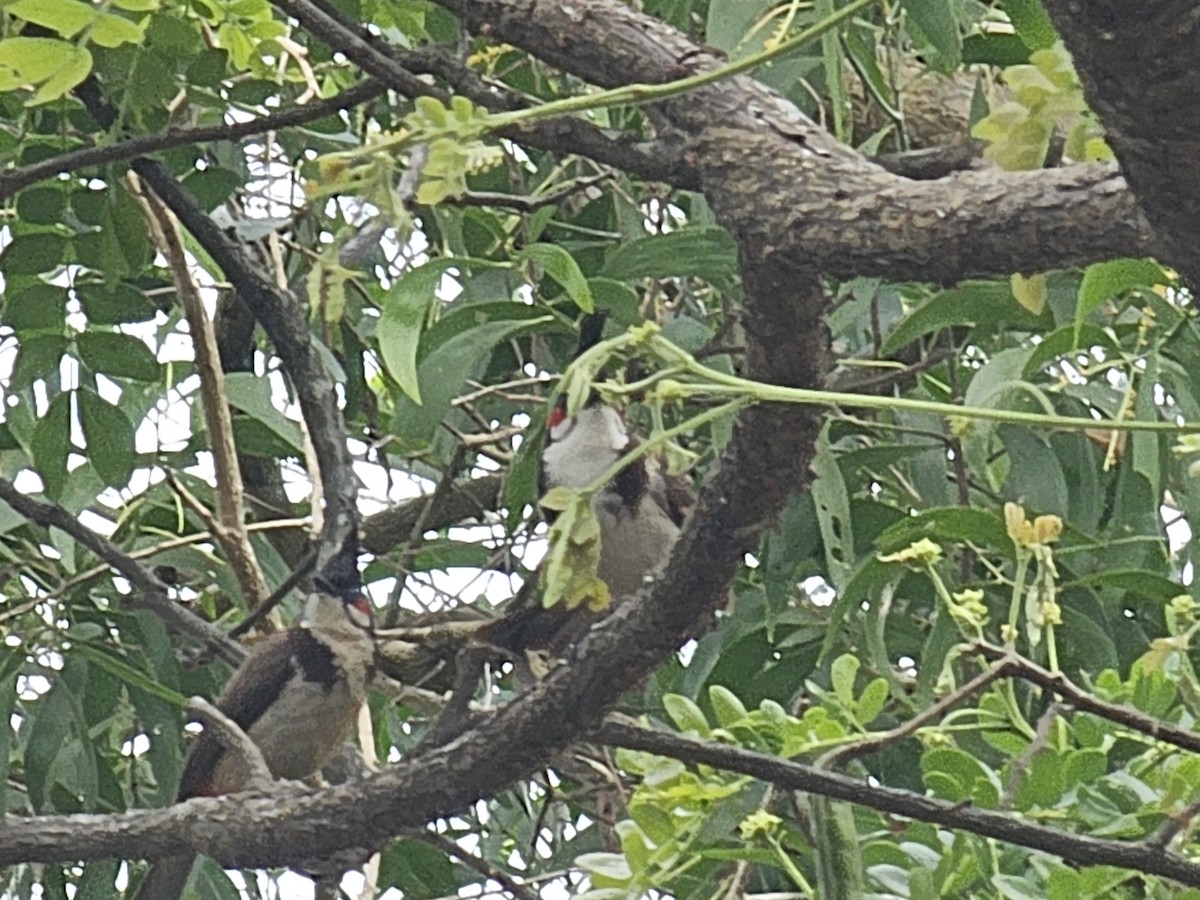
(129, 675)
(38, 307)
(985, 304)
(1031, 23)
(109, 435)
(67, 17)
(562, 267)
(1105, 280)
(112, 30)
(120, 304)
(832, 501)
(252, 395)
(730, 22)
(871, 701)
(951, 523)
(1017, 887)
(405, 308)
(115, 354)
(619, 300)
(76, 66)
(842, 674)
(40, 205)
(420, 871)
(707, 253)
(687, 716)
(937, 22)
(38, 357)
(33, 254)
(56, 721)
(444, 370)
(728, 709)
(51, 443)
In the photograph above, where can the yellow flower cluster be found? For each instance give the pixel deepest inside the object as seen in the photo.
(1042, 530)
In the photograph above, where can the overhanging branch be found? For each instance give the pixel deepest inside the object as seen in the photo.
(1076, 848)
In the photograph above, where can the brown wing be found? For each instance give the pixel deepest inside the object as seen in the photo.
(256, 685)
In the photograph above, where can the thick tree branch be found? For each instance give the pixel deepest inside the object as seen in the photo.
(818, 201)
(467, 499)
(1147, 102)
(1076, 848)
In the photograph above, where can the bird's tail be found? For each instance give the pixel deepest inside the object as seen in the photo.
(166, 879)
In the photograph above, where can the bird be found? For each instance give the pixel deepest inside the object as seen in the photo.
(296, 696)
(640, 512)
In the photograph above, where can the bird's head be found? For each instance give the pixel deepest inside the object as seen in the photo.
(330, 607)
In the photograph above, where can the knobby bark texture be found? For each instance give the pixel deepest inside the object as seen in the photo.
(1137, 65)
(799, 205)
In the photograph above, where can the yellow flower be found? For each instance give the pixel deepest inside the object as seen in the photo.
(922, 553)
(969, 609)
(1042, 530)
(759, 823)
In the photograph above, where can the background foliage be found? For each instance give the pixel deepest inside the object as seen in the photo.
(444, 303)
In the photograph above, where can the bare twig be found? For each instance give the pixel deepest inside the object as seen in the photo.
(1020, 765)
(148, 590)
(298, 574)
(246, 754)
(186, 540)
(1019, 667)
(1173, 825)
(13, 180)
(527, 204)
(476, 864)
(229, 524)
(875, 742)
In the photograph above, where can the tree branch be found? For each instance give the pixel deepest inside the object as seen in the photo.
(1018, 666)
(148, 590)
(13, 180)
(285, 323)
(1076, 848)
(817, 201)
(229, 525)
(651, 160)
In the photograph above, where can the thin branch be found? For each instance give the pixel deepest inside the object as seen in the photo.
(13, 180)
(285, 321)
(247, 756)
(873, 743)
(148, 590)
(417, 532)
(651, 160)
(259, 613)
(1018, 666)
(476, 864)
(1020, 764)
(527, 204)
(186, 540)
(1074, 848)
(229, 524)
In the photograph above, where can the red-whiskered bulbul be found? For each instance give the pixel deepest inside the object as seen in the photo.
(640, 512)
(296, 696)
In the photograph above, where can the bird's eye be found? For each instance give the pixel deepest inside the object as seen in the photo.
(557, 416)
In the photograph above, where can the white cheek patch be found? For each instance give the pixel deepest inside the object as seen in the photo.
(587, 446)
